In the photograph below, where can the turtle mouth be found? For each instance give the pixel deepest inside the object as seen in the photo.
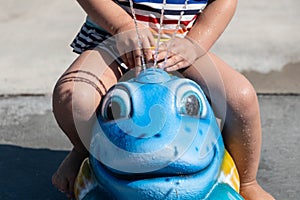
(193, 171)
(165, 174)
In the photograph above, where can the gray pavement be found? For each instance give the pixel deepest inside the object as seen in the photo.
(261, 42)
(32, 146)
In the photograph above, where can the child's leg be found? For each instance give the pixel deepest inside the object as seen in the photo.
(242, 128)
(75, 99)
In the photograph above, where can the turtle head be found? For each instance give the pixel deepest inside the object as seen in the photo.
(156, 133)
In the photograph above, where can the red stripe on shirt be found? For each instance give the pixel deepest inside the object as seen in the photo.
(156, 20)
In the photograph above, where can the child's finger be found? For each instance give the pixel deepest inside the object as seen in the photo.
(147, 50)
(137, 70)
(171, 61)
(148, 55)
(130, 59)
(160, 56)
(177, 66)
(137, 54)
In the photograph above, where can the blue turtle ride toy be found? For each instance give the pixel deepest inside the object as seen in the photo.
(156, 137)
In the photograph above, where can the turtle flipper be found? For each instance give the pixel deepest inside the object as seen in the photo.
(228, 185)
(225, 192)
(85, 181)
(229, 173)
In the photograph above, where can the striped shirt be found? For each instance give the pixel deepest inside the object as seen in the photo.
(148, 13)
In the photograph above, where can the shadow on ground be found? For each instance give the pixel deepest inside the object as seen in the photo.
(26, 173)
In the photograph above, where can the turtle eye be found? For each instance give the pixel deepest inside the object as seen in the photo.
(191, 105)
(190, 100)
(116, 105)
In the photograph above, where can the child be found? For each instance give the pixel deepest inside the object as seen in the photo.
(80, 89)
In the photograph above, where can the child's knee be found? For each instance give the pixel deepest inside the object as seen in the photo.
(242, 98)
(70, 102)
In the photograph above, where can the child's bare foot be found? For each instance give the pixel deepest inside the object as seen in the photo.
(253, 191)
(66, 173)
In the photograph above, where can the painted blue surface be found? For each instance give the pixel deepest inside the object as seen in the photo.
(157, 138)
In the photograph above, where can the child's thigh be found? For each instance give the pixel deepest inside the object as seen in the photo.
(86, 81)
(224, 86)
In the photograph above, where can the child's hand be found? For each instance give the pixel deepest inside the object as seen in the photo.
(128, 47)
(181, 53)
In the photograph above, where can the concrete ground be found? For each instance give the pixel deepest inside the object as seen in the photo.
(261, 42)
(32, 146)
